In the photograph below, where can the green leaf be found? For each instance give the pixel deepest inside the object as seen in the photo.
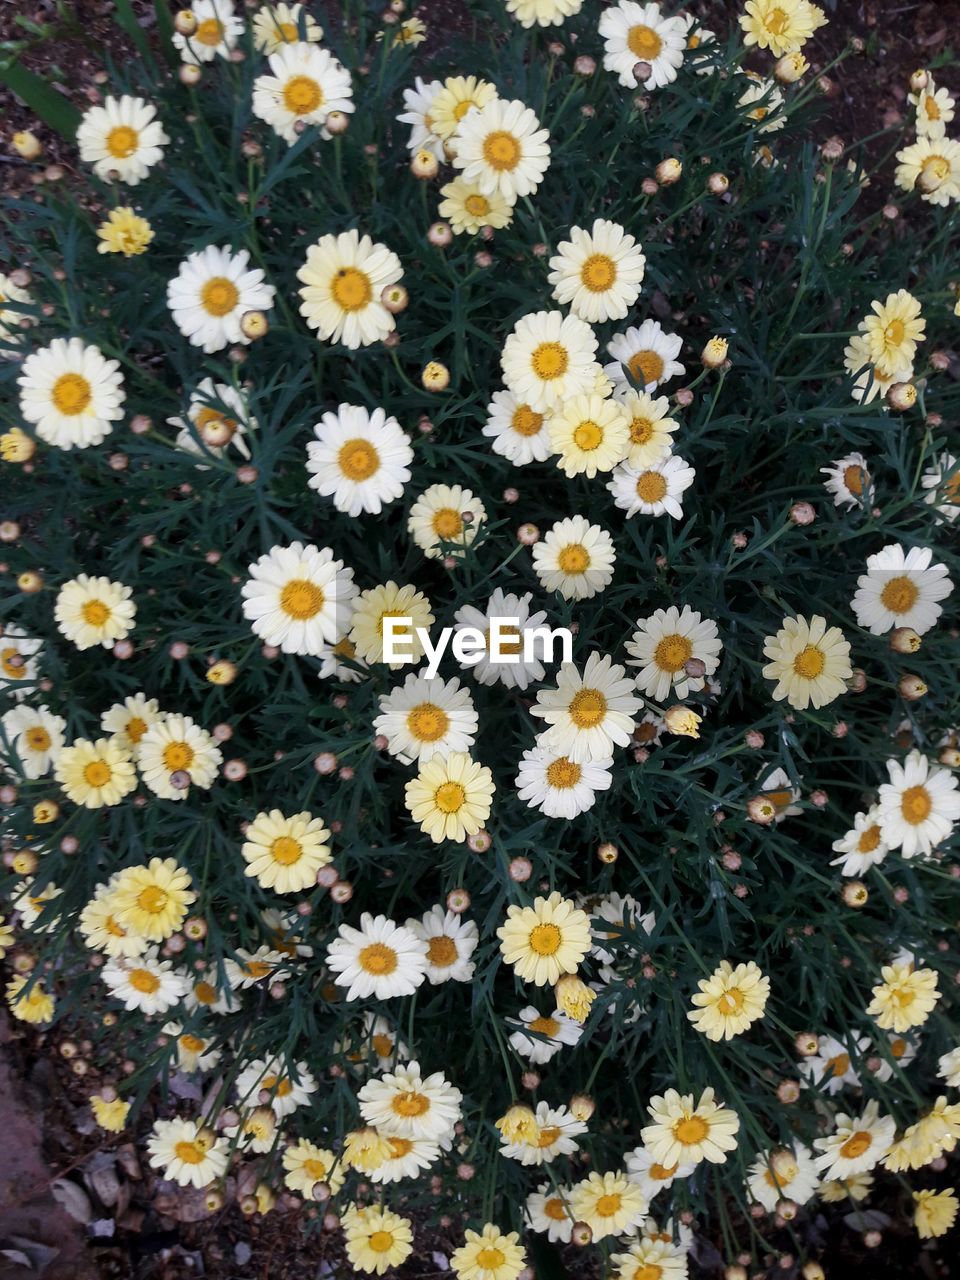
(165, 30)
(52, 108)
(127, 19)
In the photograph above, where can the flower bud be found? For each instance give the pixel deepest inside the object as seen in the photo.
(682, 721)
(762, 810)
(395, 298)
(222, 672)
(788, 1091)
(668, 171)
(27, 145)
(718, 184)
(435, 376)
(30, 582)
(902, 396)
(336, 123)
(185, 22)
(582, 1107)
(608, 853)
(950, 757)
(802, 513)
(912, 687)
(855, 894)
(424, 164)
(642, 71)
(574, 997)
(440, 234)
(253, 325)
(190, 74)
(581, 1234)
(714, 354)
(904, 640)
(919, 80)
(584, 65)
(735, 1272)
(791, 67)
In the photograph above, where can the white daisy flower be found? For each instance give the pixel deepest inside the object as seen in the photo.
(195, 1053)
(424, 718)
(451, 941)
(589, 712)
(502, 148)
(31, 903)
(548, 358)
(624, 912)
(409, 1159)
(901, 589)
(129, 720)
(123, 140)
(634, 33)
(777, 787)
(590, 434)
(305, 86)
(343, 280)
(360, 459)
(144, 982)
(212, 292)
(786, 1173)
(521, 670)
(901, 1050)
(18, 661)
(918, 806)
(856, 1145)
(849, 481)
(176, 754)
(555, 1135)
(548, 1211)
(12, 319)
(218, 29)
(405, 1104)
(204, 997)
(935, 110)
(286, 1088)
(217, 417)
(276, 25)
(71, 393)
(642, 359)
(650, 1176)
(246, 969)
(91, 611)
(556, 785)
(341, 662)
(299, 598)
(417, 102)
(187, 1152)
(942, 482)
(832, 1066)
(597, 272)
(948, 1067)
(651, 427)
(861, 848)
(665, 643)
(653, 490)
(869, 382)
(445, 514)
(550, 1034)
(575, 558)
(35, 735)
(701, 44)
(518, 432)
(763, 102)
(381, 959)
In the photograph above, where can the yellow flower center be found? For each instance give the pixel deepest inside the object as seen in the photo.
(525, 422)
(574, 558)
(644, 43)
(122, 141)
(192, 1044)
(381, 1241)
(358, 459)
(646, 367)
(915, 805)
(351, 289)
(315, 1170)
(649, 1271)
(209, 32)
(731, 1001)
(691, 1130)
(598, 273)
(501, 150)
(856, 1145)
(152, 899)
(898, 1048)
(661, 1173)
(427, 722)
(588, 436)
(545, 939)
(286, 850)
(477, 206)
(219, 296)
(672, 653)
(869, 839)
(71, 393)
(13, 670)
(895, 332)
(97, 773)
(378, 958)
(838, 1065)
(545, 1026)
(204, 993)
(94, 613)
(447, 523)
(400, 1147)
(563, 773)
(937, 167)
(489, 1258)
(651, 487)
(809, 662)
(547, 1137)
(553, 1209)
(853, 479)
(136, 728)
(190, 1152)
(287, 32)
(777, 21)
(441, 951)
(899, 595)
(449, 797)
(382, 1045)
(302, 95)
(38, 739)
(931, 108)
(641, 429)
(588, 708)
(301, 599)
(410, 1104)
(143, 980)
(550, 360)
(177, 756)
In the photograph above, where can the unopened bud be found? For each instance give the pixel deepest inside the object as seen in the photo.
(902, 396)
(668, 171)
(185, 22)
(714, 354)
(904, 640)
(791, 67)
(424, 164)
(718, 184)
(190, 74)
(27, 145)
(254, 324)
(911, 687)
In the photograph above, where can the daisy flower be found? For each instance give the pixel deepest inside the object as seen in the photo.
(782, 26)
(556, 785)
(634, 33)
(32, 905)
(403, 1104)
(254, 969)
(36, 736)
(684, 1131)
(516, 640)
(123, 140)
(651, 491)
(343, 280)
(626, 915)
(786, 1173)
(71, 393)
(863, 847)
(35, 1006)
(129, 720)
(110, 1115)
(589, 712)
(305, 1164)
(642, 359)
(186, 1151)
(390, 601)
(893, 331)
(145, 983)
(305, 86)
(380, 959)
(426, 718)
(13, 319)
(548, 1211)
(901, 1052)
(218, 416)
(408, 1158)
(651, 1177)
(340, 662)
(933, 166)
(91, 611)
(729, 1001)
(287, 1088)
(551, 1033)
(832, 1066)
(212, 292)
(934, 1212)
(948, 1067)
(376, 1239)
(418, 102)
(489, 1255)
(545, 941)
(194, 1053)
(95, 774)
(548, 358)
(437, 517)
(650, 425)
(553, 1133)
(18, 661)
(647, 1257)
(763, 103)
(597, 272)
(935, 110)
(175, 754)
(276, 25)
(849, 481)
(809, 661)
(502, 149)
(609, 1203)
(450, 797)
(942, 482)
(468, 209)
(590, 434)
(665, 643)
(451, 941)
(100, 929)
(517, 432)
(285, 854)
(123, 231)
(218, 29)
(543, 13)
(869, 382)
(905, 998)
(299, 598)
(360, 459)
(151, 901)
(856, 1145)
(900, 589)
(575, 558)
(453, 101)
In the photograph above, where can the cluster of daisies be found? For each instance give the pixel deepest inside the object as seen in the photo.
(931, 165)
